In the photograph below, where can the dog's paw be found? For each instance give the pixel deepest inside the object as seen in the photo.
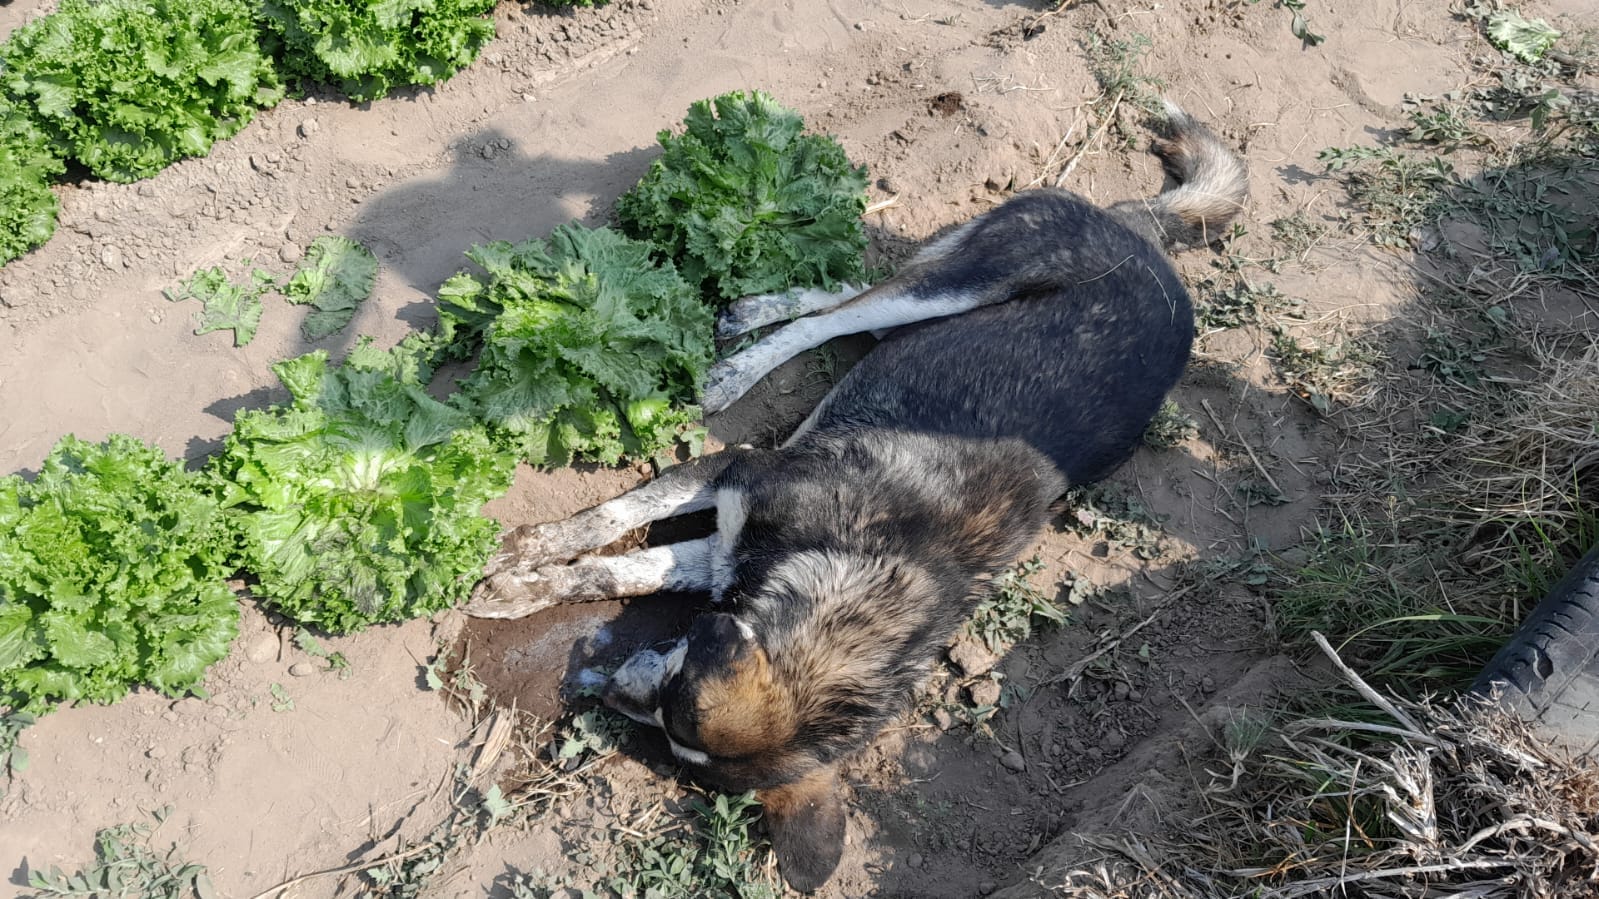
(513, 594)
(748, 313)
(723, 384)
(733, 322)
(527, 548)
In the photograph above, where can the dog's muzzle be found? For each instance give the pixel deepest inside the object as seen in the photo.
(635, 688)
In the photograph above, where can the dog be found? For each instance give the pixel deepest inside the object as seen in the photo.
(1030, 348)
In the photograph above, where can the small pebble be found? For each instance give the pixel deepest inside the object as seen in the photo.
(290, 252)
(302, 669)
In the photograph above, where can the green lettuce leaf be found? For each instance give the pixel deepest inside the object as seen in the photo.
(586, 344)
(358, 502)
(746, 203)
(336, 278)
(225, 305)
(112, 573)
(1526, 39)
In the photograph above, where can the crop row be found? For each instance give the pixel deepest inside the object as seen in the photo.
(121, 89)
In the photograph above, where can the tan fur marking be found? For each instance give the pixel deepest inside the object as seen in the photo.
(782, 802)
(745, 713)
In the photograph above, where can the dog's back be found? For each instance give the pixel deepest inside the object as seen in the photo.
(1097, 330)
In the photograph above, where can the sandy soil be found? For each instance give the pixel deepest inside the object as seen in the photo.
(556, 120)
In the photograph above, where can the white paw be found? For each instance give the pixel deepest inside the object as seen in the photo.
(731, 322)
(512, 594)
(723, 385)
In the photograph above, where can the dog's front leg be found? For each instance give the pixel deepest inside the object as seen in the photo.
(679, 490)
(679, 567)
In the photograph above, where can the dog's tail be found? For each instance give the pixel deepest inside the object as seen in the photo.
(1211, 187)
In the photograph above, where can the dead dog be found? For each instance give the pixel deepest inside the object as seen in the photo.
(846, 559)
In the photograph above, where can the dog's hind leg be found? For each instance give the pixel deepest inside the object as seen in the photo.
(887, 306)
(749, 313)
(679, 567)
(679, 490)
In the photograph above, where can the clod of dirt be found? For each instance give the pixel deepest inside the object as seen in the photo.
(984, 693)
(1014, 761)
(972, 658)
(262, 648)
(947, 104)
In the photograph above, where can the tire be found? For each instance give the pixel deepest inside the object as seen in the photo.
(1548, 672)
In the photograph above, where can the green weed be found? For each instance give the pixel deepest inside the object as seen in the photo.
(1229, 298)
(595, 733)
(1398, 192)
(1110, 512)
(13, 758)
(714, 857)
(1118, 67)
(1380, 600)
(311, 646)
(1322, 373)
(1171, 427)
(125, 867)
(1012, 608)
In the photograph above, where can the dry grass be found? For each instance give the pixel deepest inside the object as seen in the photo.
(1526, 487)
(1442, 798)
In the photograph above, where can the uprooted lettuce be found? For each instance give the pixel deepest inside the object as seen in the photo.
(358, 502)
(112, 573)
(588, 348)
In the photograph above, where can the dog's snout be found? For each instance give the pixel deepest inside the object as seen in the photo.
(635, 688)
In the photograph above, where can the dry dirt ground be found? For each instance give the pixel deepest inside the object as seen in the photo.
(555, 120)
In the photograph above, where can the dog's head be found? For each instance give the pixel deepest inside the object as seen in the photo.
(736, 725)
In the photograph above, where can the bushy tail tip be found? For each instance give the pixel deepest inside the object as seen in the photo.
(1212, 185)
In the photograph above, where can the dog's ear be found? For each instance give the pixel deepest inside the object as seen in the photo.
(718, 641)
(806, 821)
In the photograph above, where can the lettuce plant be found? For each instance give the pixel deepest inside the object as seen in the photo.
(589, 347)
(112, 573)
(27, 163)
(366, 48)
(358, 502)
(127, 87)
(744, 202)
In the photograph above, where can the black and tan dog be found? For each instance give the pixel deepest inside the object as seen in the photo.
(844, 560)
